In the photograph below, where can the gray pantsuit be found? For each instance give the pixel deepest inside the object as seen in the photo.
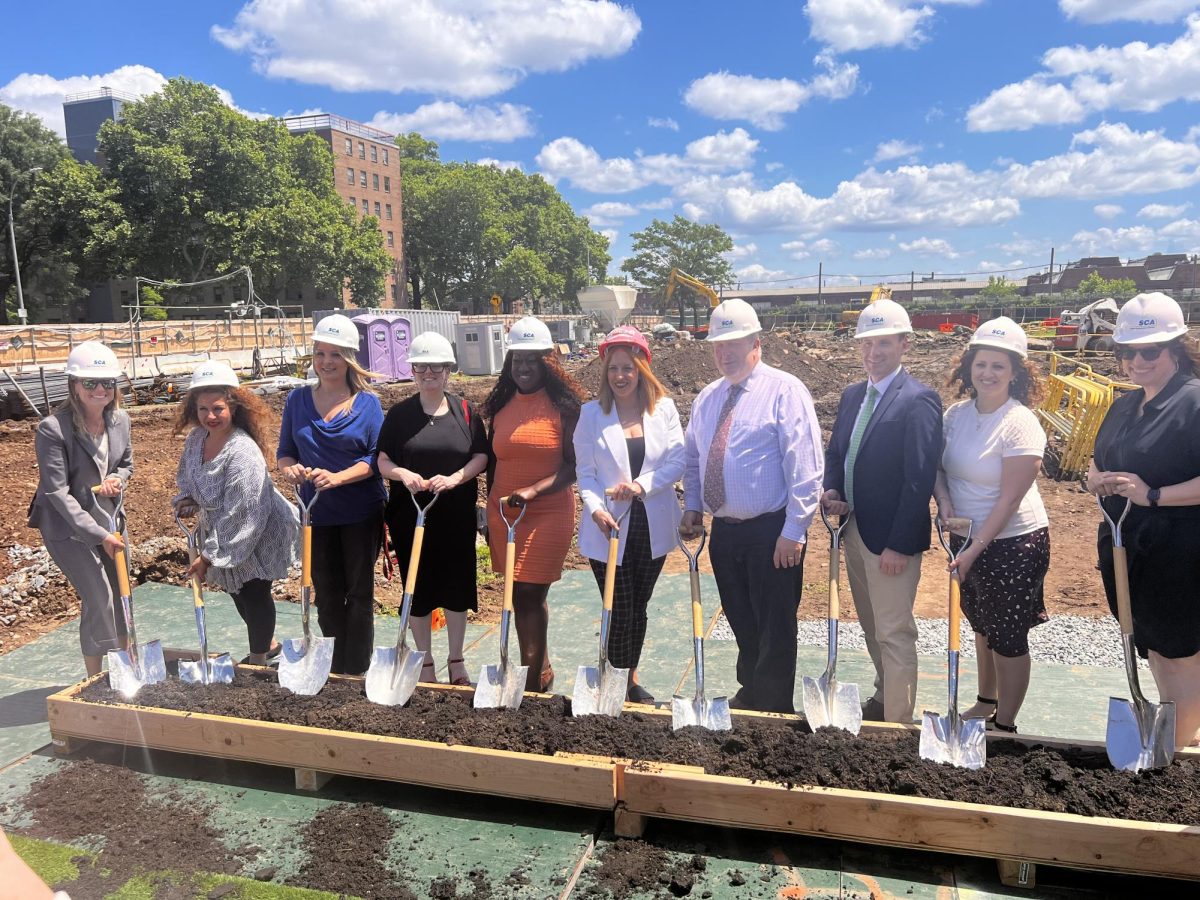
(73, 520)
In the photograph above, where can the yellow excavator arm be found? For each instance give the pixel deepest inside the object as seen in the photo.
(677, 278)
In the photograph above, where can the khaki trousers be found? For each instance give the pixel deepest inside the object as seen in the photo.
(885, 610)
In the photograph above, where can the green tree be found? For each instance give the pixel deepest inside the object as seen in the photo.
(152, 304)
(1096, 285)
(679, 244)
(25, 144)
(999, 289)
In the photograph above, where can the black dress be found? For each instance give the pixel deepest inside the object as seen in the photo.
(1162, 446)
(438, 445)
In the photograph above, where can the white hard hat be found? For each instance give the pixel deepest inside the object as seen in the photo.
(732, 319)
(92, 359)
(430, 347)
(213, 374)
(1149, 319)
(337, 330)
(1003, 334)
(529, 333)
(882, 317)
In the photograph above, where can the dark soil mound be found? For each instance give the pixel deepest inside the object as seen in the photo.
(347, 849)
(784, 752)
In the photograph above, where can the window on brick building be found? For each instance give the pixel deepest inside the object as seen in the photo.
(375, 181)
(354, 203)
(391, 240)
(387, 184)
(366, 210)
(374, 154)
(377, 215)
(350, 175)
(385, 156)
(349, 147)
(362, 150)
(362, 177)
(388, 208)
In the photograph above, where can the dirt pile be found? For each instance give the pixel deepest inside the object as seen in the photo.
(630, 868)
(784, 752)
(347, 850)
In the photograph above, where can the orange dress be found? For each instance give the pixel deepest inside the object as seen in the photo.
(527, 439)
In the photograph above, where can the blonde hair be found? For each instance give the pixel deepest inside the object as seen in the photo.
(77, 413)
(650, 390)
(357, 378)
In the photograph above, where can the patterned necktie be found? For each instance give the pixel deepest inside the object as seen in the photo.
(714, 471)
(856, 437)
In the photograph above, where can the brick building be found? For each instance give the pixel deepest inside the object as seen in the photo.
(366, 174)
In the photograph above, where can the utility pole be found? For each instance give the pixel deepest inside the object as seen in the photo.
(820, 277)
(1050, 277)
(22, 313)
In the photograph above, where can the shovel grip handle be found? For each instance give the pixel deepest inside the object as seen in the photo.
(955, 613)
(510, 565)
(1121, 579)
(122, 569)
(835, 604)
(697, 608)
(414, 559)
(306, 556)
(610, 572)
(197, 594)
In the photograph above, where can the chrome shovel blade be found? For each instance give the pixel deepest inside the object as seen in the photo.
(711, 714)
(496, 689)
(127, 677)
(831, 704)
(1135, 742)
(599, 692)
(220, 670)
(305, 673)
(961, 743)
(393, 675)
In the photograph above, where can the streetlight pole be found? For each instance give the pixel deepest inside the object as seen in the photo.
(22, 314)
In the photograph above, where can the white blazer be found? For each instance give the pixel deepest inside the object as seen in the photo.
(602, 461)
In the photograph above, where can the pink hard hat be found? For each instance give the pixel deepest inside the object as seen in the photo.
(625, 335)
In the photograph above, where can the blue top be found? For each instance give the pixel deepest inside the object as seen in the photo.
(350, 438)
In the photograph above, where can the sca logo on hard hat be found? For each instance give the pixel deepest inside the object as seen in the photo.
(876, 320)
(727, 321)
(1150, 323)
(526, 334)
(1000, 331)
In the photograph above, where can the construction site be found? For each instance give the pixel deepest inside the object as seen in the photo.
(242, 790)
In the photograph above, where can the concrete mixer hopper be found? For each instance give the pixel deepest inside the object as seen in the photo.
(610, 303)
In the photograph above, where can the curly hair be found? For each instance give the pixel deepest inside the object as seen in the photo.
(1027, 386)
(250, 413)
(1186, 352)
(565, 393)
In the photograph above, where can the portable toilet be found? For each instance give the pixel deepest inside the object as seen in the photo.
(401, 339)
(375, 346)
(480, 347)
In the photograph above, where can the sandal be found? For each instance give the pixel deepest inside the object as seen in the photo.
(429, 664)
(546, 682)
(461, 680)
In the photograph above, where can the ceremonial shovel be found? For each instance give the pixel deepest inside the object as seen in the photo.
(304, 663)
(711, 714)
(504, 685)
(204, 670)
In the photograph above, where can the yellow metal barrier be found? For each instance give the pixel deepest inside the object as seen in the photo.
(1075, 405)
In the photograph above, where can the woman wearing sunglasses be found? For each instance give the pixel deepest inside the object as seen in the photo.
(993, 450)
(434, 443)
(1148, 452)
(85, 444)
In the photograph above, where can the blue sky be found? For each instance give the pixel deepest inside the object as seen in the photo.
(871, 136)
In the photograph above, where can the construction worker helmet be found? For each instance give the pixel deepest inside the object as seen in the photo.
(337, 330)
(1002, 334)
(1152, 318)
(530, 333)
(431, 347)
(625, 336)
(213, 374)
(882, 317)
(93, 359)
(732, 319)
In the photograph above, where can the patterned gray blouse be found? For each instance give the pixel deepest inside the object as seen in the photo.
(250, 529)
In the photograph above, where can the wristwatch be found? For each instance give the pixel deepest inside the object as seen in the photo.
(1152, 496)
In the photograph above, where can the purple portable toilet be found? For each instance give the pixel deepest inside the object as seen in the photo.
(375, 348)
(401, 340)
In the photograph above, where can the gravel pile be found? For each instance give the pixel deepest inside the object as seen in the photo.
(1066, 640)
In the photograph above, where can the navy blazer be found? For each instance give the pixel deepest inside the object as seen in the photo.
(896, 465)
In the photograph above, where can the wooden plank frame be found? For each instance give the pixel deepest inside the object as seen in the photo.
(564, 779)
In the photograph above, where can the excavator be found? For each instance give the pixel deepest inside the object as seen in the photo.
(678, 279)
(850, 316)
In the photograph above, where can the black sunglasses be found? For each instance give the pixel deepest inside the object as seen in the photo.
(90, 384)
(1149, 354)
(422, 368)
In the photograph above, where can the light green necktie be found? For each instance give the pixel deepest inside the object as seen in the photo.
(856, 437)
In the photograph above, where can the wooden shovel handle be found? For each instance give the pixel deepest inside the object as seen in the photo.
(306, 557)
(510, 565)
(610, 572)
(834, 599)
(697, 608)
(955, 612)
(122, 570)
(414, 559)
(1121, 579)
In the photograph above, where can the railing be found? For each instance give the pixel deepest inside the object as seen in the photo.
(337, 123)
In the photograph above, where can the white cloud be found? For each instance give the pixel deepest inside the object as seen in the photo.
(1180, 236)
(1162, 211)
(742, 251)
(611, 234)
(660, 203)
(873, 253)
(668, 123)
(806, 250)
(503, 165)
(861, 24)
(773, 166)
(437, 46)
(1096, 11)
(448, 121)
(759, 273)
(1108, 210)
(924, 246)
(895, 149)
(765, 101)
(609, 213)
(1078, 81)
(988, 266)
(1023, 245)
(570, 159)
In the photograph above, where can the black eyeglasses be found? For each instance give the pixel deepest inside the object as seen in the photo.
(90, 384)
(1149, 354)
(422, 368)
